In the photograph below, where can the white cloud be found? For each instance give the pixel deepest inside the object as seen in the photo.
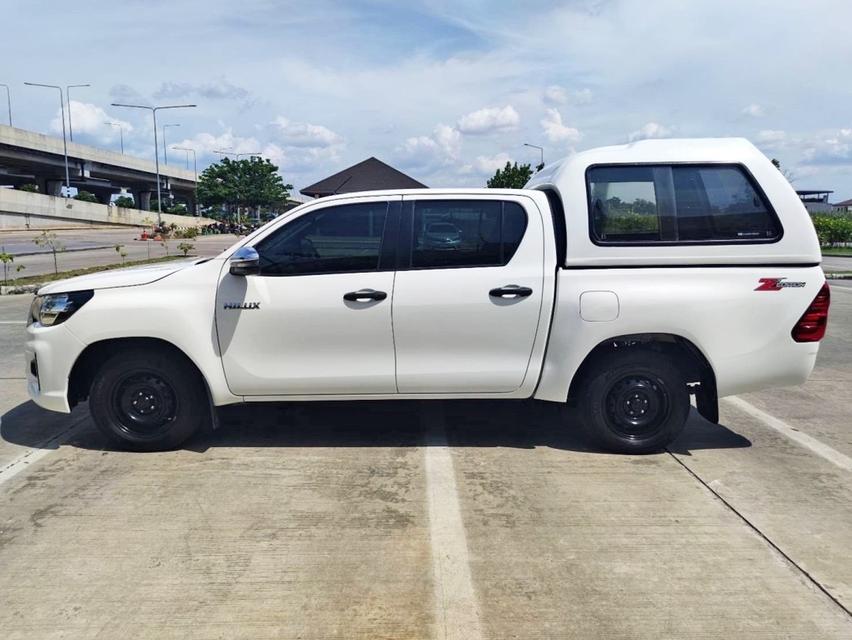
(441, 148)
(771, 135)
(650, 130)
(754, 110)
(490, 120)
(486, 165)
(89, 119)
(834, 147)
(304, 134)
(555, 130)
(556, 95)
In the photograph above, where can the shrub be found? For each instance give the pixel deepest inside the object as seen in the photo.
(125, 202)
(186, 247)
(189, 233)
(833, 229)
(29, 188)
(86, 196)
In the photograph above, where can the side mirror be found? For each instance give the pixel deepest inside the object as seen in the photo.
(245, 262)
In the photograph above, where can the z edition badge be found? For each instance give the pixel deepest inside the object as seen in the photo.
(776, 284)
(242, 305)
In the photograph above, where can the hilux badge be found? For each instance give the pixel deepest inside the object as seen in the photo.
(776, 284)
(242, 305)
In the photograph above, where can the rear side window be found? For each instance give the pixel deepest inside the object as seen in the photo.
(465, 233)
(673, 204)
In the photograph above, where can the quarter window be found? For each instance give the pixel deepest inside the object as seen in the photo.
(465, 233)
(341, 239)
(677, 204)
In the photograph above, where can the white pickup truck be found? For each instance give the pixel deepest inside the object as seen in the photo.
(627, 279)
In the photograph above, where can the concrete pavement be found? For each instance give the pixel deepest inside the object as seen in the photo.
(427, 520)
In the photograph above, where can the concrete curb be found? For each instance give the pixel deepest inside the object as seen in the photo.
(42, 253)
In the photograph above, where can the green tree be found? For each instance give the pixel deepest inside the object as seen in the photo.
(86, 196)
(253, 182)
(186, 247)
(52, 242)
(125, 202)
(512, 176)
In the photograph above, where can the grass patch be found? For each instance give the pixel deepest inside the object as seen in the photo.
(837, 251)
(62, 275)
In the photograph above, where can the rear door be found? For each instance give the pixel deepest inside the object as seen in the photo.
(468, 293)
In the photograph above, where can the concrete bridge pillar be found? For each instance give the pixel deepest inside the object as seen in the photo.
(52, 187)
(142, 200)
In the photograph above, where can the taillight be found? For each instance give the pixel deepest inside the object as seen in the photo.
(811, 326)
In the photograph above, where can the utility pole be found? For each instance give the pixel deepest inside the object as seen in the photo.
(64, 142)
(8, 102)
(166, 146)
(120, 133)
(153, 111)
(195, 170)
(68, 97)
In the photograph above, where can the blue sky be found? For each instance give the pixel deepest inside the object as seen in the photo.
(446, 91)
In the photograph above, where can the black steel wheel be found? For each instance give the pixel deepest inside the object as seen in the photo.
(148, 399)
(634, 401)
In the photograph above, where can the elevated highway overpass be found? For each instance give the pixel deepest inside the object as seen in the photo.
(30, 157)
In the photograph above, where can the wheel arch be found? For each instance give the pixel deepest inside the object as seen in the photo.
(91, 359)
(696, 368)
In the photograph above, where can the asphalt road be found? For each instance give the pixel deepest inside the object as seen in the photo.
(431, 520)
(79, 254)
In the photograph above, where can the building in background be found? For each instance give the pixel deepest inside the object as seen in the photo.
(842, 207)
(367, 175)
(815, 200)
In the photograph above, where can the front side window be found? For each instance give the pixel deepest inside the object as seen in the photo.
(341, 239)
(680, 203)
(465, 233)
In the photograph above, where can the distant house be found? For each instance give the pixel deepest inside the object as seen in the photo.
(365, 176)
(815, 201)
(842, 207)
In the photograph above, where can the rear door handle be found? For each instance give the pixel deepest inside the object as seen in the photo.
(364, 294)
(510, 290)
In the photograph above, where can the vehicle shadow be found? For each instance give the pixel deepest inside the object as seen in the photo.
(456, 423)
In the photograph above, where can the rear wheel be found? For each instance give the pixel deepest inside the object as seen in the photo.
(147, 400)
(634, 402)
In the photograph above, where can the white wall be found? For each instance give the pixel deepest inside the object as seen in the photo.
(25, 210)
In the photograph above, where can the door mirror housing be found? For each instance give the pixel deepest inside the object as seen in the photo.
(245, 262)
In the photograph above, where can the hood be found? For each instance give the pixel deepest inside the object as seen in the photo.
(113, 278)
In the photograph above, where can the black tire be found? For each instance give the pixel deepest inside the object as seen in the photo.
(635, 401)
(148, 399)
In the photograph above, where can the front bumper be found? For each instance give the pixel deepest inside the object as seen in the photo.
(50, 354)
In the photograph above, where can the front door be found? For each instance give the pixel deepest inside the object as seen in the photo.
(317, 319)
(468, 293)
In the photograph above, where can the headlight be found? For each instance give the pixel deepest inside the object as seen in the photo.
(56, 308)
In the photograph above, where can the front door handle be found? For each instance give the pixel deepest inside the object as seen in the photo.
(364, 294)
(510, 290)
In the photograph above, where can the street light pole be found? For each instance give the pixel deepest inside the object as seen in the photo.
(165, 146)
(64, 142)
(8, 102)
(68, 97)
(153, 111)
(120, 133)
(194, 168)
(541, 149)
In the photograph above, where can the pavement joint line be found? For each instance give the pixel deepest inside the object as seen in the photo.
(457, 615)
(30, 456)
(13, 322)
(823, 450)
(813, 581)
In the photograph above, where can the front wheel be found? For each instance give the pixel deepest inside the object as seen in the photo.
(635, 401)
(147, 399)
